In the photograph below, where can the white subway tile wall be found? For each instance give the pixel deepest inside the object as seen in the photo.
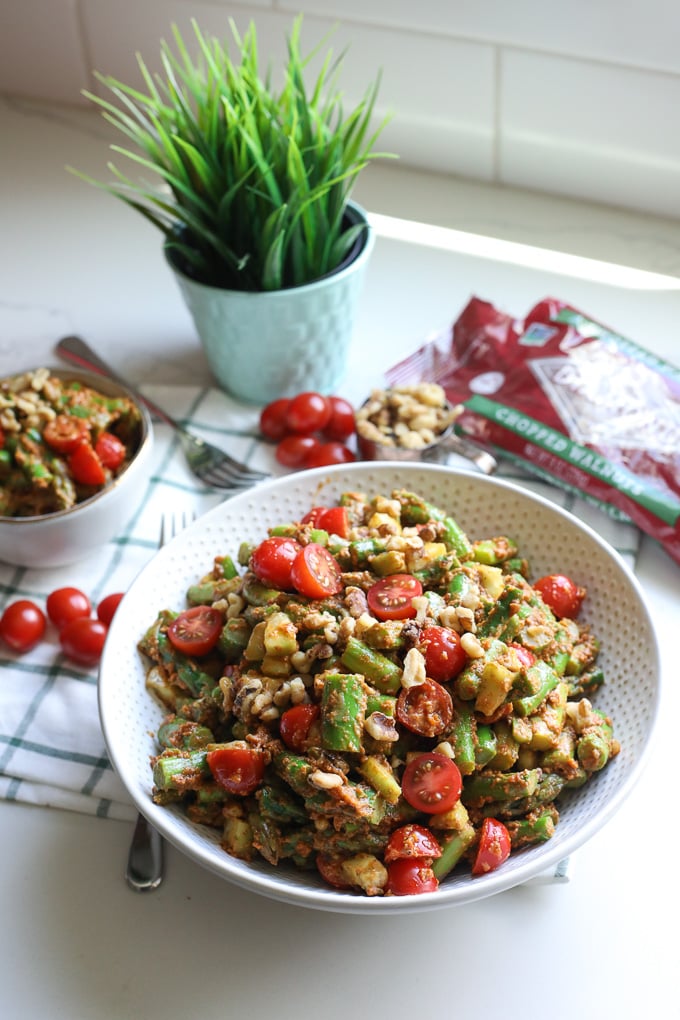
(573, 99)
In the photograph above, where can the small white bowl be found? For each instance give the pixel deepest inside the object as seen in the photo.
(55, 540)
(552, 539)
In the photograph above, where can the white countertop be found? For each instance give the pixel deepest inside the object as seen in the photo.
(76, 943)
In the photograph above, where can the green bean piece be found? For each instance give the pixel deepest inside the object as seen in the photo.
(210, 590)
(466, 684)
(461, 586)
(295, 770)
(283, 530)
(528, 831)
(245, 551)
(180, 770)
(360, 552)
(256, 593)
(503, 609)
(592, 750)
(265, 837)
(383, 703)
(384, 635)
(378, 772)
(501, 786)
(462, 737)
(297, 845)
(495, 682)
(494, 551)
(585, 684)
(343, 711)
(382, 672)
(507, 748)
(513, 625)
(225, 566)
(549, 787)
(278, 804)
(453, 847)
(547, 680)
(184, 733)
(486, 745)
(234, 638)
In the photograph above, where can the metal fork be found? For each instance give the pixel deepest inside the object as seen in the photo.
(146, 856)
(211, 465)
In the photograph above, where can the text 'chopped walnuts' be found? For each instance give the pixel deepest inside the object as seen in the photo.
(411, 417)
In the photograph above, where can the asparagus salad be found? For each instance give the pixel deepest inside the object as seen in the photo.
(371, 693)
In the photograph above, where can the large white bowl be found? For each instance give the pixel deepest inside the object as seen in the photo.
(552, 539)
(57, 539)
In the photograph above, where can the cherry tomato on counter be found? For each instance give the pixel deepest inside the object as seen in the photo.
(293, 451)
(273, 419)
(315, 572)
(431, 783)
(195, 631)
(560, 594)
(308, 412)
(22, 625)
(238, 769)
(108, 606)
(327, 454)
(391, 598)
(410, 877)
(494, 847)
(272, 561)
(341, 424)
(66, 604)
(82, 639)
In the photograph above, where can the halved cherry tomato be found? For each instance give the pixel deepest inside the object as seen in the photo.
(308, 412)
(425, 708)
(238, 769)
(560, 594)
(444, 654)
(293, 451)
(66, 604)
(85, 466)
(341, 424)
(273, 419)
(411, 841)
(195, 631)
(431, 783)
(327, 454)
(110, 450)
(525, 656)
(22, 625)
(295, 725)
(391, 598)
(334, 519)
(273, 559)
(65, 432)
(410, 877)
(82, 640)
(108, 606)
(494, 847)
(315, 572)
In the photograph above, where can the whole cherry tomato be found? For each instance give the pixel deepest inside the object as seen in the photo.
(327, 454)
(238, 769)
(308, 412)
(295, 725)
(110, 450)
(65, 432)
(66, 604)
(293, 451)
(560, 594)
(273, 419)
(82, 640)
(195, 631)
(494, 847)
(444, 654)
(272, 561)
(108, 606)
(85, 466)
(333, 519)
(341, 424)
(22, 625)
(411, 841)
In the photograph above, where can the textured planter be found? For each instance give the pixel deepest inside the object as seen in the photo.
(268, 344)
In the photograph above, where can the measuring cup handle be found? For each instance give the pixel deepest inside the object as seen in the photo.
(453, 443)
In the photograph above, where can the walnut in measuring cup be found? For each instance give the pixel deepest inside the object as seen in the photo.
(409, 417)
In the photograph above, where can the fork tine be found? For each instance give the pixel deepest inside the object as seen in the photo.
(222, 478)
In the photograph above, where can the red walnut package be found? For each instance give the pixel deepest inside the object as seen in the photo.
(569, 400)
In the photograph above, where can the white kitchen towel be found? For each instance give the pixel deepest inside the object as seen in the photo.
(52, 750)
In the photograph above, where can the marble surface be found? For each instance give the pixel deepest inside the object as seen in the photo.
(75, 942)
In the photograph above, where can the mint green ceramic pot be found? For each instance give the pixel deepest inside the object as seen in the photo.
(268, 344)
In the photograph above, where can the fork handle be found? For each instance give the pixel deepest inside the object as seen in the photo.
(72, 348)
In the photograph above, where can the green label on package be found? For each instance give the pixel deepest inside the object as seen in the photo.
(663, 505)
